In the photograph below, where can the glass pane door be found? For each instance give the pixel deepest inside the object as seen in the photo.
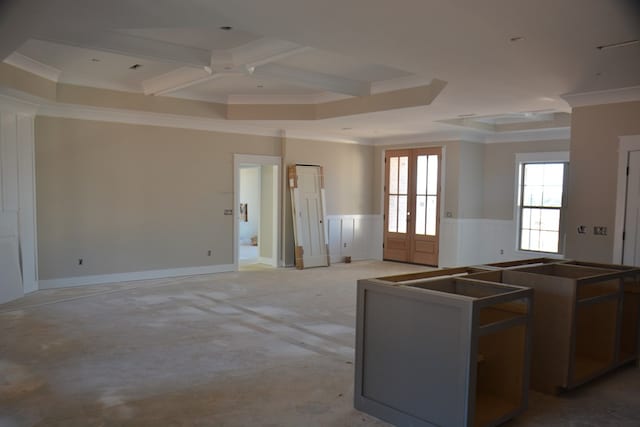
(398, 194)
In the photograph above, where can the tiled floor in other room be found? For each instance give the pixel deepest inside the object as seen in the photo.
(263, 347)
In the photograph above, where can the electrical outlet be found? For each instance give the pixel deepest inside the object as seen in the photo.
(345, 245)
(228, 211)
(209, 252)
(599, 230)
(449, 214)
(501, 251)
(582, 229)
(80, 261)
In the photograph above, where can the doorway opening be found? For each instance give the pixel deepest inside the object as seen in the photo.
(256, 211)
(626, 247)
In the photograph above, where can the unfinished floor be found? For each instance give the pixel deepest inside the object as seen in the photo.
(256, 348)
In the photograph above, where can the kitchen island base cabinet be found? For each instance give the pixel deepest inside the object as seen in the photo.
(442, 352)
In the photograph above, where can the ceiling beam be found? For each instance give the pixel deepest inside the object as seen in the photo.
(326, 82)
(241, 60)
(263, 51)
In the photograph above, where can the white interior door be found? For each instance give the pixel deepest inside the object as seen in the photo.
(631, 244)
(307, 198)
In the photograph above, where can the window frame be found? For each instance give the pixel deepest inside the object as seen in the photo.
(523, 159)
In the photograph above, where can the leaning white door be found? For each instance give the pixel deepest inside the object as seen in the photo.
(307, 198)
(631, 246)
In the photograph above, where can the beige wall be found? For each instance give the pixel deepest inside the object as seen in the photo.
(348, 179)
(130, 198)
(500, 174)
(592, 175)
(470, 180)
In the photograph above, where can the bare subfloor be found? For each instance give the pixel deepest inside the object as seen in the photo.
(257, 348)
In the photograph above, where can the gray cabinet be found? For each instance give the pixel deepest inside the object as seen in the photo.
(443, 351)
(585, 319)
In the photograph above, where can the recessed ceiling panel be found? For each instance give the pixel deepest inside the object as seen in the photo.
(202, 38)
(94, 68)
(343, 66)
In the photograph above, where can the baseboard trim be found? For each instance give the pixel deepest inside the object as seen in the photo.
(130, 277)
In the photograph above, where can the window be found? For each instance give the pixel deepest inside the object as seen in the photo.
(541, 205)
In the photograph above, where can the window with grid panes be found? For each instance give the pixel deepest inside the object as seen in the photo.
(542, 203)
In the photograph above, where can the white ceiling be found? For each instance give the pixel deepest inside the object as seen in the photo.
(464, 42)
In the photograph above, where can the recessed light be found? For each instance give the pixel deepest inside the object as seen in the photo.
(135, 66)
(516, 39)
(620, 44)
(226, 28)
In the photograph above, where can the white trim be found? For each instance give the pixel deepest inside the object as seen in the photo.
(32, 66)
(476, 136)
(129, 277)
(176, 121)
(611, 96)
(625, 146)
(11, 104)
(240, 159)
(529, 135)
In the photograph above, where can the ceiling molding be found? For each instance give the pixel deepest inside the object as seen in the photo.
(428, 138)
(420, 96)
(399, 83)
(181, 78)
(612, 96)
(12, 104)
(284, 99)
(530, 135)
(16, 101)
(480, 137)
(32, 66)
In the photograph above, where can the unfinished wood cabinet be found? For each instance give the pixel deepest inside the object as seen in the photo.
(431, 274)
(629, 320)
(579, 329)
(446, 351)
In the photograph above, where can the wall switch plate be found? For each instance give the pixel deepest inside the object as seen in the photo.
(599, 230)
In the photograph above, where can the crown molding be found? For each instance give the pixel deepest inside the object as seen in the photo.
(32, 66)
(478, 137)
(318, 136)
(15, 105)
(529, 135)
(82, 112)
(611, 96)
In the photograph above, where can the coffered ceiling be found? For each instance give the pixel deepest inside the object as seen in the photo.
(480, 69)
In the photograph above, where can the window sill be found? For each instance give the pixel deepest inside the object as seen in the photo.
(535, 254)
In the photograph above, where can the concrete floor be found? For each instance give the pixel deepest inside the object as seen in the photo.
(257, 348)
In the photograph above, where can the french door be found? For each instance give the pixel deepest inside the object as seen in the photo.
(412, 205)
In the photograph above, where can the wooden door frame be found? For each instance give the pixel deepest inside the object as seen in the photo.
(443, 181)
(626, 144)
